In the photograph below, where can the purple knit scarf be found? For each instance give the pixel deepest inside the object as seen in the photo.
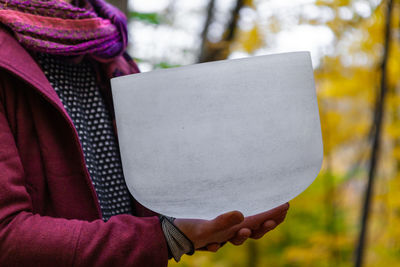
(97, 28)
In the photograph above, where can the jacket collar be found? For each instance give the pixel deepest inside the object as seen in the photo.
(15, 59)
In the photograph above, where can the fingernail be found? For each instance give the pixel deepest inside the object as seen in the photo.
(270, 224)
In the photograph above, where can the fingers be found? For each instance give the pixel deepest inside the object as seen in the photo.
(265, 228)
(217, 230)
(230, 226)
(255, 221)
(241, 236)
(282, 209)
(281, 218)
(213, 247)
(227, 220)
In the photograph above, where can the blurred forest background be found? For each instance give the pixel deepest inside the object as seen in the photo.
(350, 216)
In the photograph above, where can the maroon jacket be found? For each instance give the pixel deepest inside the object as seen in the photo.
(49, 212)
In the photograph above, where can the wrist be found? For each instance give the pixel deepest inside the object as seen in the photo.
(178, 242)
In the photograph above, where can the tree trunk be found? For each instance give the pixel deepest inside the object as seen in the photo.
(210, 14)
(220, 50)
(378, 119)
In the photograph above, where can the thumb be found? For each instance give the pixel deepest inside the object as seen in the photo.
(227, 220)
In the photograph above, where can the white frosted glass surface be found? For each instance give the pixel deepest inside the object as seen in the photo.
(201, 140)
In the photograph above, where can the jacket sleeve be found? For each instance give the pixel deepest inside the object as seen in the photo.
(28, 239)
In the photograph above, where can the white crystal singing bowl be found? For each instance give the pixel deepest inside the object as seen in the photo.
(201, 140)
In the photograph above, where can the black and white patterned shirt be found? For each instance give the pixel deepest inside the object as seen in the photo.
(76, 86)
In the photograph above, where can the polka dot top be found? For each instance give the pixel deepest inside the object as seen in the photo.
(76, 86)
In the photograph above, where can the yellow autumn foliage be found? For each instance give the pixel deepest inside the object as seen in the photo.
(323, 223)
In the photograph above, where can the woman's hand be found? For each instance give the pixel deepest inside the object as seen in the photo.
(230, 226)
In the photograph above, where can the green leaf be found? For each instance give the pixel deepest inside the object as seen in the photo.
(165, 65)
(152, 18)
